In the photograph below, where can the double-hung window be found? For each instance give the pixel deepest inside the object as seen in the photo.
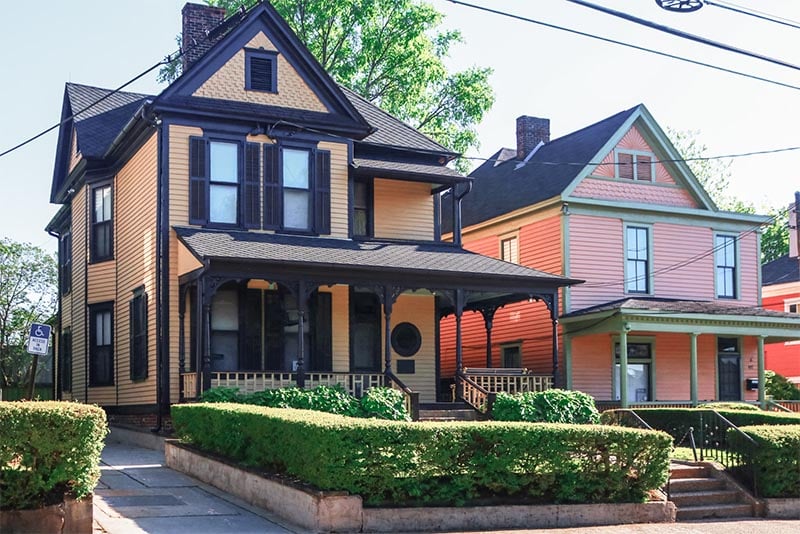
(296, 170)
(223, 190)
(65, 262)
(637, 259)
(725, 259)
(509, 249)
(102, 225)
(362, 209)
(101, 345)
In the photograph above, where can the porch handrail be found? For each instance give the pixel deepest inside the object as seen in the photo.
(411, 396)
(477, 396)
(778, 406)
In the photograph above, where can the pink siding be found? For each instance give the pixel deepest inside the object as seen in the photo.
(633, 140)
(627, 190)
(596, 256)
(749, 267)
(591, 365)
(674, 244)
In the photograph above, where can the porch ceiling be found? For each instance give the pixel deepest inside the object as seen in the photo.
(682, 316)
(329, 260)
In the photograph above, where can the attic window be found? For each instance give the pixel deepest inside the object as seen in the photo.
(635, 166)
(261, 71)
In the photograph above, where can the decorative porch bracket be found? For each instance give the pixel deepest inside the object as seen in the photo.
(387, 295)
(551, 301)
(302, 291)
(458, 301)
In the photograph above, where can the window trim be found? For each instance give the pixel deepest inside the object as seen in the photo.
(511, 345)
(94, 256)
(312, 189)
(635, 174)
(649, 280)
(514, 238)
(249, 54)
(94, 309)
(239, 178)
(139, 296)
(634, 340)
(736, 267)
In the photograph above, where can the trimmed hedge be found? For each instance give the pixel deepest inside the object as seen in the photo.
(48, 449)
(549, 406)
(775, 460)
(434, 463)
(676, 421)
(378, 402)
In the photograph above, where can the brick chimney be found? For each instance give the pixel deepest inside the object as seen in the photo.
(197, 20)
(530, 131)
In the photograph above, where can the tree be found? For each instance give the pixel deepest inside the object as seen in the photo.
(391, 52)
(28, 294)
(714, 175)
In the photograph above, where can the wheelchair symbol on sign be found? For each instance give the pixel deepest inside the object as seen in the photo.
(38, 332)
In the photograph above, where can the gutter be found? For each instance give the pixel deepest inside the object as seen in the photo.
(56, 354)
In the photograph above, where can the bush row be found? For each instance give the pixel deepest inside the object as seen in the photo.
(377, 402)
(434, 463)
(677, 421)
(549, 406)
(775, 458)
(48, 449)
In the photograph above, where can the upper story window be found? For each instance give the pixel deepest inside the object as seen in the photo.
(224, 183)
(637, 259)
(65, 262)
(635, 166)
(362, 209)
(102, 224)
(725, 260)
(297, 206)
(509, 249)
(101, 346)
(261, 71)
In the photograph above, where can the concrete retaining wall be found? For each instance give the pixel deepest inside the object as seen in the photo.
(782, 508)
(340, 512)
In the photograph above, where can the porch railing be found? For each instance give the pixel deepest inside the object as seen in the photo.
(507, 380)
(411, 397)
(785, 405)
(614, 405)
(475, 394)
(252, 381)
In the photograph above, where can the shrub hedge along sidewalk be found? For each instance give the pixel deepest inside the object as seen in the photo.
(775, 458)
(401, 463)
(47, 450)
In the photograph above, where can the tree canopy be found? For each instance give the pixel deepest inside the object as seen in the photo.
(392, 53)
(28, 293)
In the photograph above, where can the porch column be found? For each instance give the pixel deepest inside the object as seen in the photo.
(302, 306)
(488, 319)
(623, 366)
(388, 305)
(458, 308)
(181, 341)
(206, 343)
(568, 361)
(553, 305)
(693, 367)
(198, 338)
(762, 399)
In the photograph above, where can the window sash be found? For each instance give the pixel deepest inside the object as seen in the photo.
(138, 326)
(509, 250)
(725, 256)
(223, 203)
(102, 244)
(102, 204)
(101, 365)
(637, 260)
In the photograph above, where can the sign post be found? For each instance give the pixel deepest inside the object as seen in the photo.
(38, 344)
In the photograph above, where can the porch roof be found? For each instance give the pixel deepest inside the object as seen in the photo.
(406, 264)
(686, 316)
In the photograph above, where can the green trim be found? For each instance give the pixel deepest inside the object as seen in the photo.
(566, 267)
(650, 283)
(693, 389)
(635, 153)
(567, 341)
(634, 339)
(737, 267)
(758, 267)
(762, 399)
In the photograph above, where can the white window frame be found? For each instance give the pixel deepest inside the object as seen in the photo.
(635, 153)
(649, 281)
(513, 247)
(634, 340)
(736, 267)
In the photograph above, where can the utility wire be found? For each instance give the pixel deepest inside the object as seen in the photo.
(622, 43)
(682, 34)
(754, 13)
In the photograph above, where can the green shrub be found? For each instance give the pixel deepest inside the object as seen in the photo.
(775, 459)
(549, 406)
(48, 449)
(778, 387)
(379, 402)
(719, 405)
(434, 463)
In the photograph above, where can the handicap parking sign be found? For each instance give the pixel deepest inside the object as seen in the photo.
(39, 339)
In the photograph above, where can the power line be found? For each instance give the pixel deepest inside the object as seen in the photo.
(682, 34)
(754, 13)
(622, 43)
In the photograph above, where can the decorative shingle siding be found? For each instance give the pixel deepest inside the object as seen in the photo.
(229, 81)
(628, 191)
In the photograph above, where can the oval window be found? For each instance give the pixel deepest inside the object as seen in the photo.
(406, 339)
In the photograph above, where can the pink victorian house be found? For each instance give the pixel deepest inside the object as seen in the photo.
(670, 311)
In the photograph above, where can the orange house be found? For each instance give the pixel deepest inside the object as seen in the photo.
(670, 310)
(254, 225)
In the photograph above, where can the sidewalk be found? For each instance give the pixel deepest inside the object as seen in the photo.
(138, 493)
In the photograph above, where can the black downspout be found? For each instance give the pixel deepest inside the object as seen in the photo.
(162, 282)
(457, 212)
(57, 353)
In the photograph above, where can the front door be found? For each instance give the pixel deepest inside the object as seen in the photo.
(365, 332)
(729, 369)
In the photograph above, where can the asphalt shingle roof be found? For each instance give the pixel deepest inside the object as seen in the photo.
(433, 259)
(500, 188)
(669, 306)
(98, 126)
(780, 271)
(435, 172)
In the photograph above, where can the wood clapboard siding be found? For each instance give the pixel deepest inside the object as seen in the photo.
(418, 310)
(749, 348)
(77, 305)
(102, 280)
(783, 358)
(228, 82)
(74, 155)
(136, 235)
(340, 318)
(750, 265)
(403, 210)
(596, 255)
(675, 244)
(339, 189)
(591, 365)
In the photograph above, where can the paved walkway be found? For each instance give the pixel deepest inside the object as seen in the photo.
(137, 493)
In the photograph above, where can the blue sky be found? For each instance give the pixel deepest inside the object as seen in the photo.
(571, 80)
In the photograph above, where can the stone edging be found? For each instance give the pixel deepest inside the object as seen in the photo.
(336, 511)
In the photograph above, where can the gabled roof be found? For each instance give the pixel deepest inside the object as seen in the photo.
(98, 126)
(507, 186)
(677, 306)
(780, 271)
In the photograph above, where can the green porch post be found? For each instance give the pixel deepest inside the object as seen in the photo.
(762, 399)
(568, 361)
(623, 366)
(693, 367)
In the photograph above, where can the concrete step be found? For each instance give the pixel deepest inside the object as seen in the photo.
(679, 485)
(702, 498)
(688, 471)
(714, 510)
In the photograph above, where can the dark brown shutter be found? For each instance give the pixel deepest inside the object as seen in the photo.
(322, 341)
(272, 188)
(252, 176)
(625, 166)
(644, 168)
(198, 181)
(322, 192)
